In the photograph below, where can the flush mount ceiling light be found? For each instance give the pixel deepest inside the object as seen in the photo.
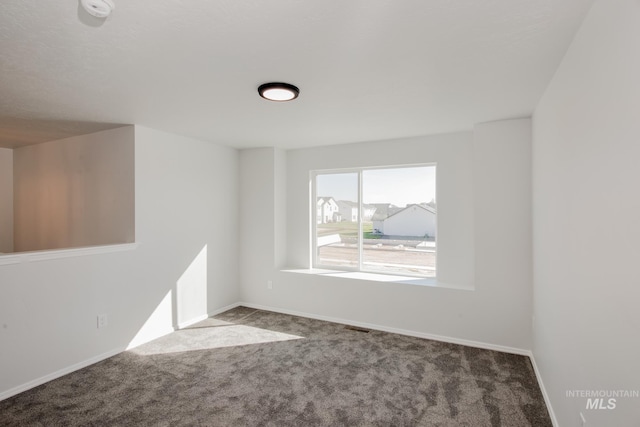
(98, 8)
(278, 91)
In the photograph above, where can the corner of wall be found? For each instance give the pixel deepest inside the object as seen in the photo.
(503, 222)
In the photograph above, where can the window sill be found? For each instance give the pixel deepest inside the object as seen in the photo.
(22, 257)
(377, 277)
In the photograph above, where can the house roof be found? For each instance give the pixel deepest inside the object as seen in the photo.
(326, 199)
(426, 208)
(354, 204)
(348, 203)
(383, 211)
(194, 70)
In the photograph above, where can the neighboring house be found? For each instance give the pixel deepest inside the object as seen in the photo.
(382, 212)
(414, 220)
(349, 211)
(368, 212)
(327, 210)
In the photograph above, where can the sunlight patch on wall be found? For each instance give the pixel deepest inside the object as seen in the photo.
(192, 289)
(158, 324)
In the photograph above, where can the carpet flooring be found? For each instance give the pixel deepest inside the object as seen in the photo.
(250, 367)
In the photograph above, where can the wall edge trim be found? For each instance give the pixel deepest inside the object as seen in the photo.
(416, 334)
(59, 373)
(545, 395)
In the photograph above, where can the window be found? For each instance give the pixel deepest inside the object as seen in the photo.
(380, 220)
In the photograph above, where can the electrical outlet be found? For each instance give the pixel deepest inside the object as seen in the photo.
(269, 284)
(583, 419)
(102, 321)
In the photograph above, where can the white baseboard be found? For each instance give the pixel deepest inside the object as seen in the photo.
(451, 340)
(223, 309)
(57, 374)
(545, 395)
(434, 337)
(49, 377)
(191, 322)
(206, 316)
(137, 342)
(64, 371)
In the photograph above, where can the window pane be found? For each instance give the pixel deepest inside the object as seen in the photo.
(337, 220)
(399, 222)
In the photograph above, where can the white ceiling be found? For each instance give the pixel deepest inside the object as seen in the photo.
(367, 69)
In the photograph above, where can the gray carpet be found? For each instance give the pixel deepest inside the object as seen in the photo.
(249, 367)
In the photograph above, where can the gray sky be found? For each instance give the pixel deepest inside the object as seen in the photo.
(400, 186)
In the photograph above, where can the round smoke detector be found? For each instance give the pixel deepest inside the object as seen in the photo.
(98, 8)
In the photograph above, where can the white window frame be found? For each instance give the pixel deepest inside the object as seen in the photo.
(314, 219)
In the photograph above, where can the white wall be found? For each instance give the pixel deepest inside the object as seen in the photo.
(260, 218)
(502, 205)
(586, 211)
(497, 312)
(6, 200)
(186, 201)
(75, 192)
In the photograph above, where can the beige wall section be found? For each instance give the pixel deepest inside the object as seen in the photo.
(75, 192)
(6, 200)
